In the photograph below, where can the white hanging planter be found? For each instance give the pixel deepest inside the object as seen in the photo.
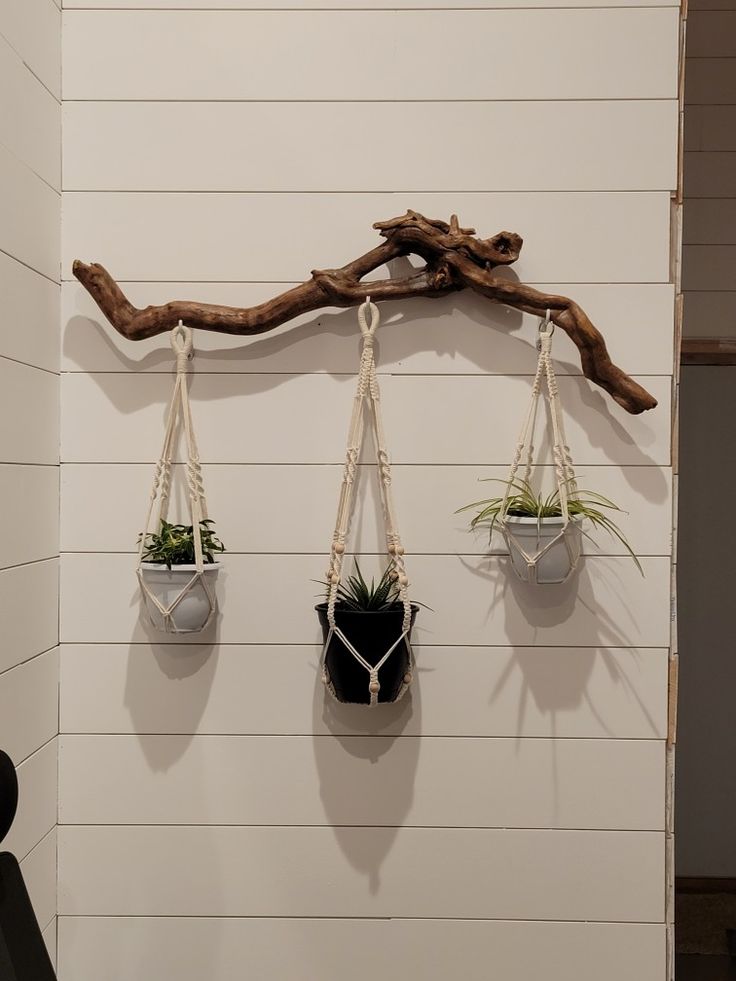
(181, 590)
(543, 550)
(181, 599)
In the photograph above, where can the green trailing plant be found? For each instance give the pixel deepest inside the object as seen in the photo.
(356, 594)
(174, 544)
(524, 502)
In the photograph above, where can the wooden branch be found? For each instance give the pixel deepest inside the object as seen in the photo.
(455, 259)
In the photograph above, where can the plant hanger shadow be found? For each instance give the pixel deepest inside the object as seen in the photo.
(455, 258)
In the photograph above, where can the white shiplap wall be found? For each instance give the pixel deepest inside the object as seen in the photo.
(218, 818)
(30, 217)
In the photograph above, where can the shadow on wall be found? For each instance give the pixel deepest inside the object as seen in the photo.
(385, 787)
(544, 607)
(178, 663)
(320, 341)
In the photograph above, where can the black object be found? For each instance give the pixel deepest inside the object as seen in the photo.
(23, 954)
(372, 633)
(8, 794)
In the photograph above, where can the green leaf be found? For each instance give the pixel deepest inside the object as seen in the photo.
(174, 544)
(523, 501)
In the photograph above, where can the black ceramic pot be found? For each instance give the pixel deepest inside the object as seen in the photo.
(8, 793)
(371, 633)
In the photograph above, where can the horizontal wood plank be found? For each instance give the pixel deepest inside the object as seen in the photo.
(536, 692)
(30, 122)
(32, 492)
(29, 712)
(250, 504)
(140, 236)
(36, 441)
(29, 611)
(711, 34)
(364, 5)
(38, 801)
(33, 29)
(708, 351)
(710, 221)
(304, 419)
(433, 950)
(708, 267)
(30, 215)
(129, 55)
(461, 334)
(610, 146)
(710, 174)
(362, 780)
(608, 603)
(29, 330)
(418, 872)
(710, 128)
(710, 81)
(710, 314)
(39, 874)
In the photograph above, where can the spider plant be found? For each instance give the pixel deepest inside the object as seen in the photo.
(524, 502)
(174, 544)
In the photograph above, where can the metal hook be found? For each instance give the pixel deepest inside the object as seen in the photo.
(546, 328)
(544, 323)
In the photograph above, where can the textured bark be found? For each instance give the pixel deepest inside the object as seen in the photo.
(455, 259)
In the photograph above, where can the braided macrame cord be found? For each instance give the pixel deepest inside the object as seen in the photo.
(179, 413)
(524, 457)
(367, 401)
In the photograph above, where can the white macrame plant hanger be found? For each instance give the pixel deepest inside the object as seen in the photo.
(179, 413)
(367, 399)
(564, 472)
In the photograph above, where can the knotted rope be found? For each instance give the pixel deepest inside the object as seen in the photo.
(367, 400)
(564, 471)
(179, 411)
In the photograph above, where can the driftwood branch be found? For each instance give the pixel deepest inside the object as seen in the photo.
(455, 259)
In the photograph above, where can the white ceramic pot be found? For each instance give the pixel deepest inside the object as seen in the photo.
(194, 610)
(533, 535)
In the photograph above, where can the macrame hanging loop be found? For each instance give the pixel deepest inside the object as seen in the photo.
(162, 615)
(367, 401)
(526, 560)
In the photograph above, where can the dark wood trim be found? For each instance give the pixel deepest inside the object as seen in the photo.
(708, 350)
(704, 884)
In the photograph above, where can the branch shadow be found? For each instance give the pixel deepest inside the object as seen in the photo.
(453, 327)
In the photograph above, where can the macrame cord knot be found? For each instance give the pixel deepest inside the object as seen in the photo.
(179, 412)
(367, 399)
(561, 457)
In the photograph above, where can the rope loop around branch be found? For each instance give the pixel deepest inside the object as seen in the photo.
(182, 344)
